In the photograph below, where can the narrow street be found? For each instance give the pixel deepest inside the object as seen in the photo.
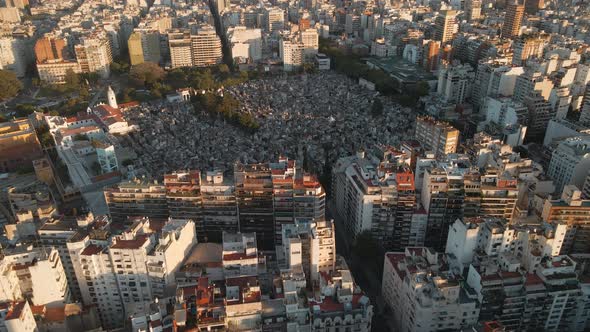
(365, 277)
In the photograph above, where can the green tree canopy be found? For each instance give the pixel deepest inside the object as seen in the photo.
(422, 89)
(202, 80)
(119, 66)
(146, 74)
(9, 85)
(24, 110)
(177, 78)
(72, 79)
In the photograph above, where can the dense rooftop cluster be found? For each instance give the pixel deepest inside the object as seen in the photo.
(171, 165)
(318, 119)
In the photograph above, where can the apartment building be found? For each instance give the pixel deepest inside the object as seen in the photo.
(438, 137)
(573, 210)
(540, 113)
(242, 265)
(292, 54)
(473, 9)
(529, 82)
(295, 195)
(569, 163)
(254, 195)
(309, 197)
(423, 296)
(220, 210)
(310, 40)
(17, 317)
(454, 83)
(513, 20)
(494, 79)
(443, 198)
(470, 237)
(96, 278)
(275, 19)
(283, 175)
(15, 54)
(566, 295)
(310, 245)
(498, 192)
(246, 43)
(9, 284)
(378, 197)
(550, 298)
(446, 26)
(205, 47)
(94, 55)
(144, 46)
(340, 302)
(40, 273)
(56, 72)
(183, 195)
(116, 273)
(136, 198)
(129, 256)
(56, 232)
(180, 49)
(18, 135)
(176, 239)
(240, 256)
(529, 47)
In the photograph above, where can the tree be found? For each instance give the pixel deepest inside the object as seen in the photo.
(92, 78)
(9, 85)
(72, 79)
(84, 93)
(177, 78)
(146, 74)
(422, 89)
(377, 107)
(202, 80)
(156, 94)
(119, 67)
(310, 68)
(24, 110)
(223, 68)
(44, 136)
(126, 95)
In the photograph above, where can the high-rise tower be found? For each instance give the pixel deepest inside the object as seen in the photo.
(513, 20)
(445, 26)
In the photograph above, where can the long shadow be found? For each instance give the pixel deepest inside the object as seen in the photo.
(219, 29)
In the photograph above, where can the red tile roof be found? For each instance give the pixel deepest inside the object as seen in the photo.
(532, 279)
(77, 131)
(329, 305)
(237, 256)
(38, 310)
(15, 310)
(91, 249)
(136, 243)
(128, 105)
(55, 314)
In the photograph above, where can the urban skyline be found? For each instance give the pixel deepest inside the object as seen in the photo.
(297, 166)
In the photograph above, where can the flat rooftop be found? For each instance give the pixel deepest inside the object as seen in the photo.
(401, 69)
(205, 253)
